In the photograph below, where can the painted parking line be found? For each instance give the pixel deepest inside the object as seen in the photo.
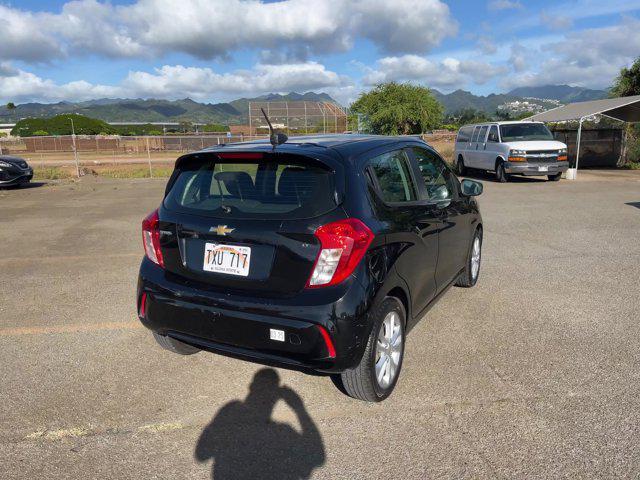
(72, 328)
(76, 432)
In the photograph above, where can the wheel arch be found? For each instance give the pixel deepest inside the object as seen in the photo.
(399, 293)
(499, 159)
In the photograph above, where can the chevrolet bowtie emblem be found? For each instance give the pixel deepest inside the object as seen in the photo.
(221, 230)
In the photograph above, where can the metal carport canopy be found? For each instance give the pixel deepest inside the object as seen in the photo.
(626, 109)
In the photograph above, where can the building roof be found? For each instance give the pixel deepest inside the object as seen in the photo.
(626, 109)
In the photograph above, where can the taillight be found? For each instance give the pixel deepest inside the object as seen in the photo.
(343, 244)
(151, 238)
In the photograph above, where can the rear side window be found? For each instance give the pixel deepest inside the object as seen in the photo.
(464, 135)
(261, 188)
(483, 134)
(475, 134)
(394, 177)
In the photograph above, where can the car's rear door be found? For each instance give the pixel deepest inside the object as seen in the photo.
(410, 228)
(246, 222)
(441, 192)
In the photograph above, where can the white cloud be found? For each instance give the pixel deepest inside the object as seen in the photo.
(401, 26)
(504, 5)
(217, 28)
(21, 86)
(21, 36)
(487, 46)
(448, 73)
(175, 81)
(589, 58)
(555, 21)
(518, 57)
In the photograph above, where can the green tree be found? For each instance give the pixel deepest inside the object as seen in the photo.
(627, 83)
(61, 125)
(399, 109)
(11, 106)
(215, 127)
(469, 115)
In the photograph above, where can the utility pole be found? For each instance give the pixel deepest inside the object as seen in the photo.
(75, 149)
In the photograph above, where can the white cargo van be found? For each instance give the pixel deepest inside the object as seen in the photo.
(510, 148)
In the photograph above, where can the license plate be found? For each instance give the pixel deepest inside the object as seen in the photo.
(228, 259)
(543, 168)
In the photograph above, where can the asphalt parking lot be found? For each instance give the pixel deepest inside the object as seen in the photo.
(533, 373)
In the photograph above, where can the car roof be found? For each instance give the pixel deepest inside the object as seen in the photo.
(348, 145)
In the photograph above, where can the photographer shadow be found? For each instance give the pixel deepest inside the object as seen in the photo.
(244, 442)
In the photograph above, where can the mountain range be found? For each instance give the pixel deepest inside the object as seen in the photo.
(235, 112)
(546, 96)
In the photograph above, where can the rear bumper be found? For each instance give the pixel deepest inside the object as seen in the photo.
(241, 326)
(526, 168)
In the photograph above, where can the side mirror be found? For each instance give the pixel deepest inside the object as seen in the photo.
(471, 188)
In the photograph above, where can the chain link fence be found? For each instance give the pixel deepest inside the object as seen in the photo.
(86, 152)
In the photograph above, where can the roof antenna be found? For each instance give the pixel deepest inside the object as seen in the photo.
(275, 138)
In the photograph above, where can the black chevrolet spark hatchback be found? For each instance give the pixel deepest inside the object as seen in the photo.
(318, 255)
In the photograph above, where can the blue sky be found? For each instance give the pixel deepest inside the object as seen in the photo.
(218, 50)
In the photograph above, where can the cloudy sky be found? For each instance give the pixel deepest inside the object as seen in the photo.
(218, 50)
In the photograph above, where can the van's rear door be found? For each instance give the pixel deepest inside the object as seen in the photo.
(246, 220)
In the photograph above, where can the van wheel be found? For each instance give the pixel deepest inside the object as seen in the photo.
(501, 175)
(554, 178)
(175, 346)
(375, 377)
(462, 170)
(469, 277)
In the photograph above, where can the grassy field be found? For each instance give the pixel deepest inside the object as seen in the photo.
(110, 171)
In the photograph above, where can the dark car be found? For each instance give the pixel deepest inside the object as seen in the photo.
(318, 255)
(14, 171)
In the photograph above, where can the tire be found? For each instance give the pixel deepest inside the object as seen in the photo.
(501, 175)
(175, 346)
(554, 178)
(462, 170)
(361, 382)
(469, 277)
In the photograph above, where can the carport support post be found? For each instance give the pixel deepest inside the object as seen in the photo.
(578, 144)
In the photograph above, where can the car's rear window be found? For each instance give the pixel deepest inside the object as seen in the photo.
(271, 188)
